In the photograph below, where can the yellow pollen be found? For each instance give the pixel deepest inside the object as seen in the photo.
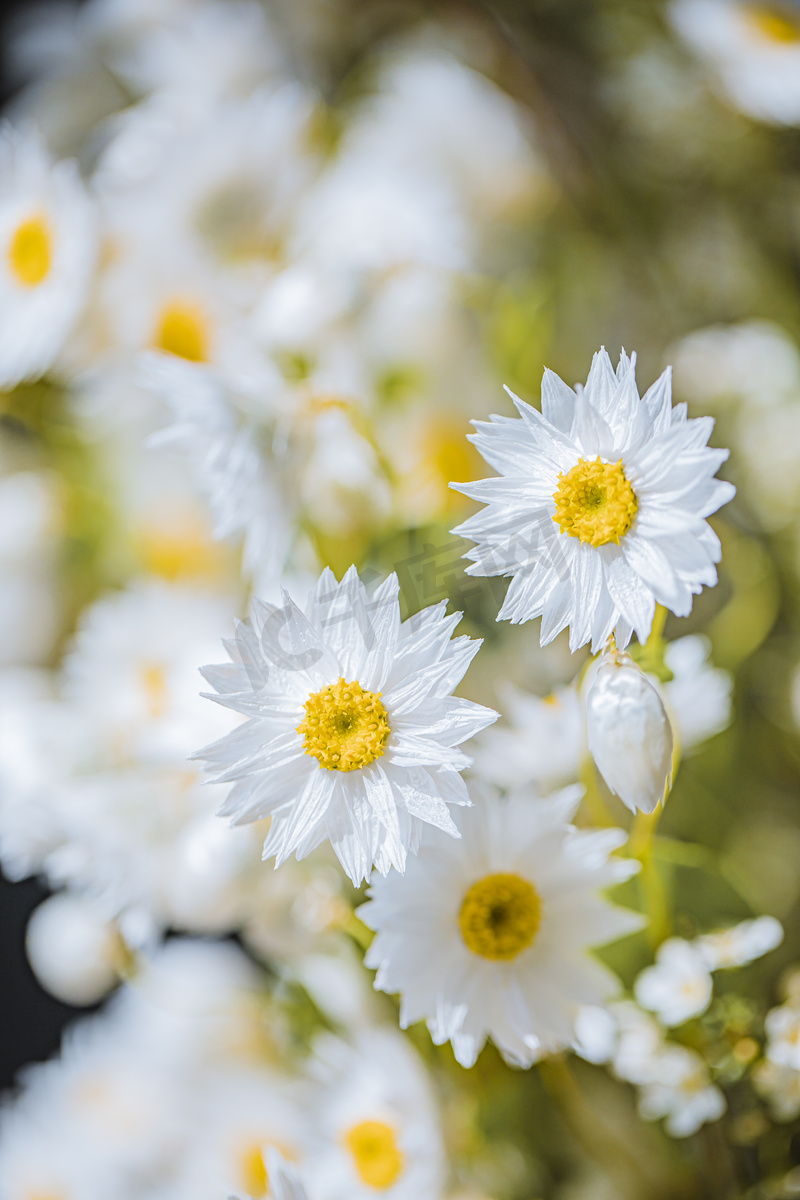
(183, 330)
(500, 916)
(345, 727)
(595, 502)
(29, 252)
(155, 689)
(252, 1172)
(775, 24)
(375, 1152)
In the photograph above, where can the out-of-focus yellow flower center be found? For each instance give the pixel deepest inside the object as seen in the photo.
(345, 727)
(29, 253)
(155, 689)
(183, 330)
(375, 1152)
(776, 24)
(180, 553)
(253, 1172)
(595, 502)
(500, 916)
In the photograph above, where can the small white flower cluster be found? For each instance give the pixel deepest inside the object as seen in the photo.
(674, 1081)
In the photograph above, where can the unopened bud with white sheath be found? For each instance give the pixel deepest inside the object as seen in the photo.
(629, 734)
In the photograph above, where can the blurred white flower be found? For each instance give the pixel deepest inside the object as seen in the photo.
(201, 52)
(755, 47)
(433, 112)
(740, 944)
(698, 697)
(628, 733)
(376, 1128)
(487, 936)
(780, 1087)
(756, 362)
(132, 672)
(240, 1119)
(238, 478)
(48, 242)
(680, 1091)
(782, 1025)
(639, 1043)
(545, 746)
(679, 986)
(73, 950)
(629, 481)
(42, 742)
(353, 732)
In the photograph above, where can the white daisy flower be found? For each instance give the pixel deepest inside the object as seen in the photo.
(755, 47)
(377, 1126)
(599, 510)
(679, 986)
(353, 731)
(48, 243)
(486, 937)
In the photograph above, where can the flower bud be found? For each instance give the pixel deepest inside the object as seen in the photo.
(629, 734)
(72, 949)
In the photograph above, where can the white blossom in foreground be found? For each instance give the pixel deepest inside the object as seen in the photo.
(377, 1124)
(352, 732)
(629, 734)
(754, 46)
(680, 1091)
(599, 509)
(740, 944)
(679, 986)
(47, 254)
(487, 937)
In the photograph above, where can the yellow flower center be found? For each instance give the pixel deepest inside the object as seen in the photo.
(375, 1152)
(183, 330)
(29, 252)
(253, 1172)
(154, 685)
(345, 727)
(776, 24)
(595, 502)
(500, 916)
